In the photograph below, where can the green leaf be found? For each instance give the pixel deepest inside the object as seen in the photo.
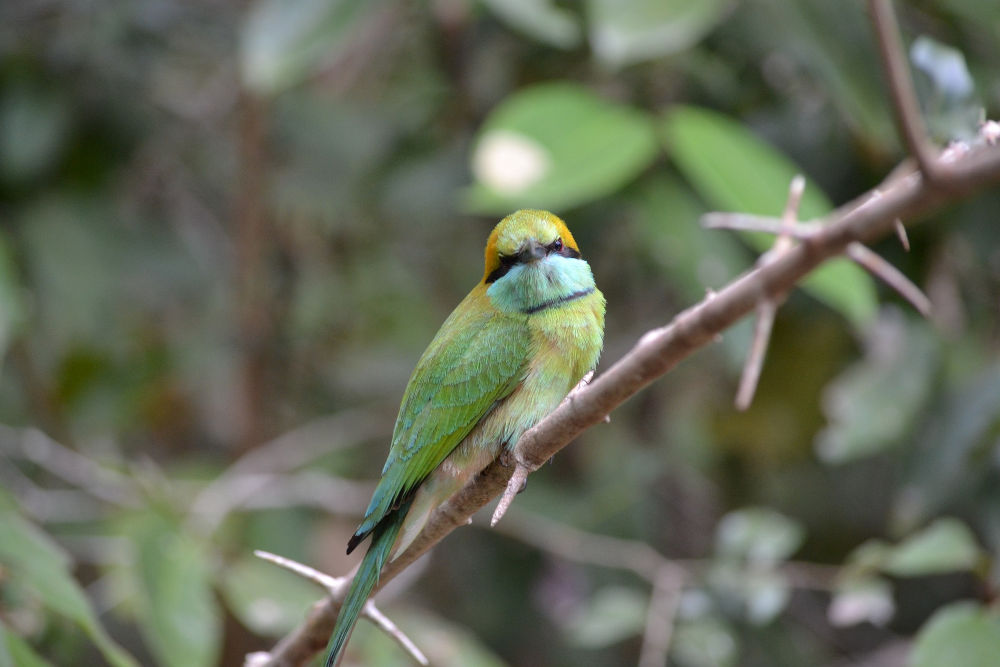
(613, 614)
(182, 622)
(735, 171)
(285, 41)
(706, 641)
(540, 19)
(947, 545)
(874, 402)
(35, 560)
(758, 535)
(266, 598)
(15, 652)
(556, 146)
(960, 634)
(630, 31)
(34, 122)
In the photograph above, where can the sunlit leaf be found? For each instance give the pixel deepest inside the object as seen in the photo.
(614, 614)
(182, 622)
(735, 171)
(946, 545)
(949, 100)
(626, 32)
(960, 634)
(873, 403)
(759, 535)
(36, 561)
(543, 20)
(862, 599)
(556, 146)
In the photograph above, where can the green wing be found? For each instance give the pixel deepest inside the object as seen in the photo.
(477, 358)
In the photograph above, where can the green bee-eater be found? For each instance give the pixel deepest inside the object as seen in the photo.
(504, 358)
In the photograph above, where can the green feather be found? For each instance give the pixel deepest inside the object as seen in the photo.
(364, 582)
(477, 358)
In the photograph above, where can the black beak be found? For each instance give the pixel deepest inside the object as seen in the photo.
(532, 251)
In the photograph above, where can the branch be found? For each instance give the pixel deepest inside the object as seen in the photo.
(659, 350)
(901, 92)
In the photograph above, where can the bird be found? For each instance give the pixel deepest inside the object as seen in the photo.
(508, 354)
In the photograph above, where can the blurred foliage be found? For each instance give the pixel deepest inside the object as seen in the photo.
(223, 222)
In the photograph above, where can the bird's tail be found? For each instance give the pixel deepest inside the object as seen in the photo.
(365, 580)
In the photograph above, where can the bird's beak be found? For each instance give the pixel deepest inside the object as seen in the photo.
(532, 251)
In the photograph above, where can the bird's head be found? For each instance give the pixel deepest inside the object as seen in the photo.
(524, 237)
(533, 263)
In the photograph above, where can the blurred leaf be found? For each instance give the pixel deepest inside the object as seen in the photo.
(34, 122)
(758, 535)
(949, 100)
(861, 599)
(556, 146)
(766, 595)
(182, 622)
(267, 599)
(735, 171)
(814, 35)
(540, 19)
(873, 403)
(613, 614)
(285, 41)
(446, 644)
(704, 642)
(946, 545)
(15, 652)
(11, 301)
(35, 560)
(693, 258)
(950, 450)
(626, 32)
(944, 66)
(960, 634)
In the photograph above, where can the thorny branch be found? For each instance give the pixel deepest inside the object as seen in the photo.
(909, 196)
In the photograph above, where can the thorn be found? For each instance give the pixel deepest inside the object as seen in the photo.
(750, 378)
(890, 275)
(901, 233)
(514, 485)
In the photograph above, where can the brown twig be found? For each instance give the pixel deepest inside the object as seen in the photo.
(337, 586)
(663, 604)
(901, 92)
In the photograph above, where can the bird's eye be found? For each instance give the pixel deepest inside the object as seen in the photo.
(556, 246)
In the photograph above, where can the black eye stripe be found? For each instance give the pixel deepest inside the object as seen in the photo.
(507, 262)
